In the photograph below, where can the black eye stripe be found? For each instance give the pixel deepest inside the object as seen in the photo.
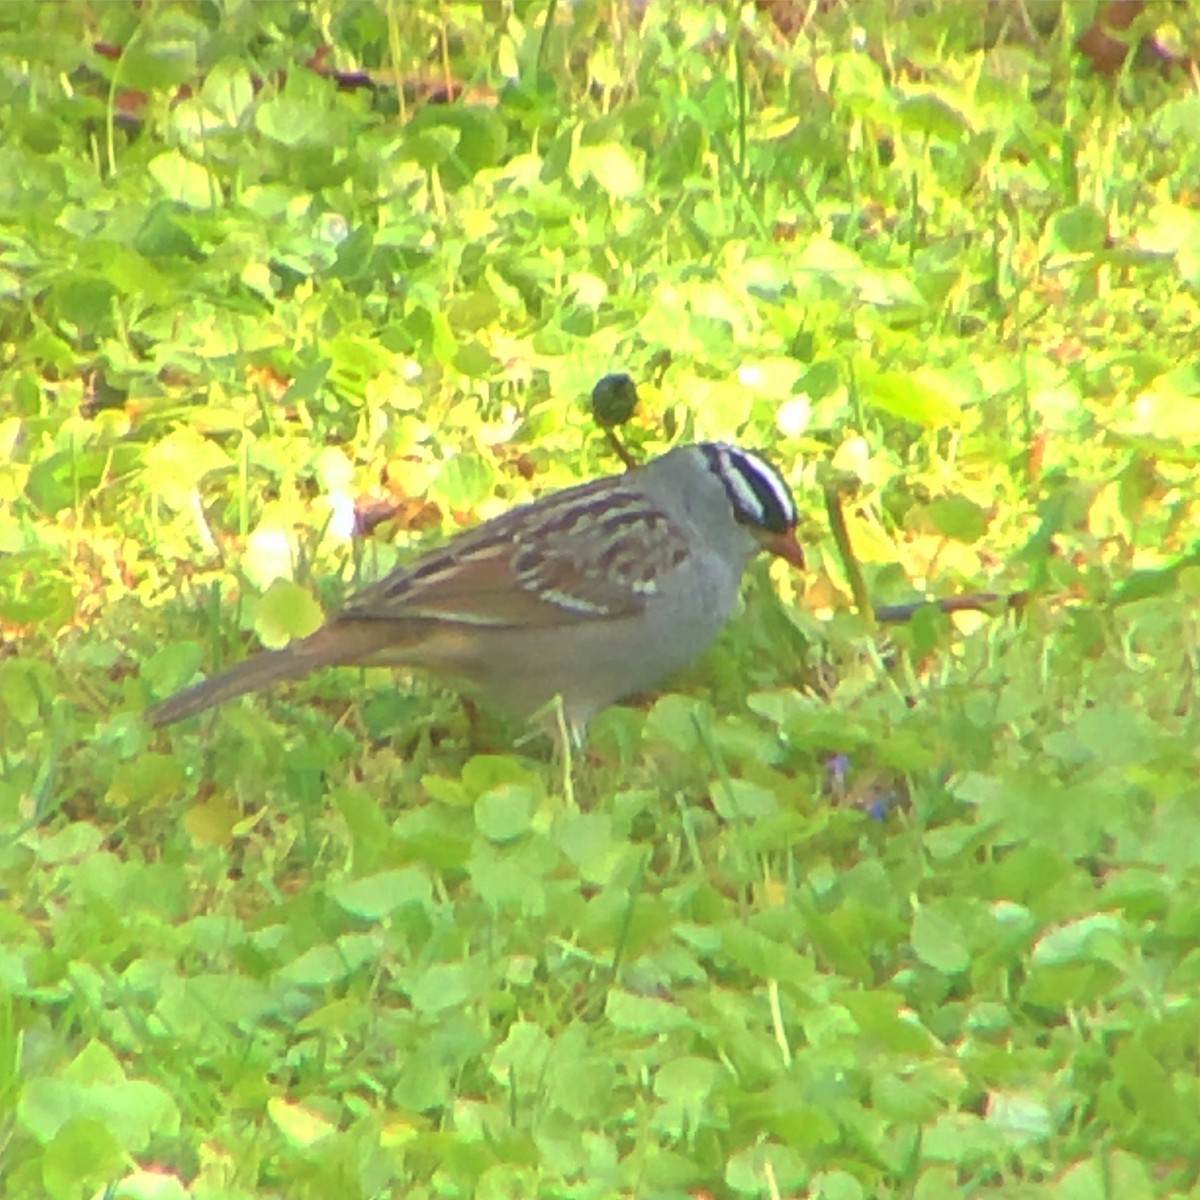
(757, 491)
(774, 516)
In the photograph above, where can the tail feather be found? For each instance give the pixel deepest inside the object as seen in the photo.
(337, 643)
(251, 675)
(340, 643)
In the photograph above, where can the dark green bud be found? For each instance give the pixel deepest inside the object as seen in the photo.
(614, 400)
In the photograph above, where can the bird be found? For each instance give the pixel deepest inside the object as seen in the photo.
(589, 594)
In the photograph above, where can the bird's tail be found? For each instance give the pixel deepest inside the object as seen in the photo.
(259, 671)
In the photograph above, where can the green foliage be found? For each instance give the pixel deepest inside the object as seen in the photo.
(833, 916)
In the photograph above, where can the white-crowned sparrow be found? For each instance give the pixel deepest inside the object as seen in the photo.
(589, 593)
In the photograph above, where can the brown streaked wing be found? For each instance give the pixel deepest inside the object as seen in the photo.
(572, 558)
(601, 559)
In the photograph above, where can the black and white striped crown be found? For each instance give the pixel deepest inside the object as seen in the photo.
(756, 490)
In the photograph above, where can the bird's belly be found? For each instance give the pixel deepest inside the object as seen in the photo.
(590, 665)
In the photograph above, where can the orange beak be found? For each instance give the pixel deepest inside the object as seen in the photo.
(785, 546)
